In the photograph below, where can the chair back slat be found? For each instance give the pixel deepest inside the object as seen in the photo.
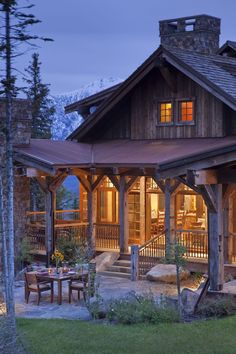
(31, 278)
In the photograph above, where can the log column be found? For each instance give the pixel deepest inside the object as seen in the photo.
(142, 209)
(216, 240)
(123, 212)
(50, 221)
(169, 188)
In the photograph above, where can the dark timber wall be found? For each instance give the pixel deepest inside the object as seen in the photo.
(136, 117)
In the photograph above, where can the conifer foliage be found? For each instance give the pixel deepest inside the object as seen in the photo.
(14, 39)
(41, 104)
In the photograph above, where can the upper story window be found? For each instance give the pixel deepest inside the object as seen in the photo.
(166, 112)
(186, 111)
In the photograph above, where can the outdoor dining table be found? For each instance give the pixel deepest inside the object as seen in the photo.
(59, 278)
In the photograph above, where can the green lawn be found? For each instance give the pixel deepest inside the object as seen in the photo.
(67, 337)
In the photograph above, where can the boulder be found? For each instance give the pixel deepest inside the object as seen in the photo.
(189, 299)
(105, 260)
(166, 273)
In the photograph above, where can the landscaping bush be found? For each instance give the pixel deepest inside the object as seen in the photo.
(140, 309)
(216, 307)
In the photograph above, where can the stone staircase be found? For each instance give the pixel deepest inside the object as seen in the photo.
(120, 268)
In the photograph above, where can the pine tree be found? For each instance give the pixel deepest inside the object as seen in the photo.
(38, 94)
(15, 21)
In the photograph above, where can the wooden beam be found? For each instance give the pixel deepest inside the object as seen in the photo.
(129, 185)
(205, 177)
(115, 181)
(160, 183)
(42, 184)
(55, 183)
(85, 183)
(75, 171)
(97, 183)
(33, 172)
(29, 162)
(172, 171)
(208, 195)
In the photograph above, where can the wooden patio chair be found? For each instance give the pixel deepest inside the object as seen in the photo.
(85, 283)
(34, 285)
(80, 285)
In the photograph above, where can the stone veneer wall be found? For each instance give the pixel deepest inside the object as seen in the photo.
(21, 136)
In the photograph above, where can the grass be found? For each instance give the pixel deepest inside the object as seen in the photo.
(75, 337)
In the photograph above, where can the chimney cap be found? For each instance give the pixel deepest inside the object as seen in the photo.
(189, 18)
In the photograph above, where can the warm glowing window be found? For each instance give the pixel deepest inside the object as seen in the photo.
(166, 112)
(186, 111)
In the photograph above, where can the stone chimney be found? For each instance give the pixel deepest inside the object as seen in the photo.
(197, 33)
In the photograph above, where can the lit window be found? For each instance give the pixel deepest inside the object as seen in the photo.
(186, 111)
(166, 112)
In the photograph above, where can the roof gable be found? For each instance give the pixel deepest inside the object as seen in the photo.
(214, 73)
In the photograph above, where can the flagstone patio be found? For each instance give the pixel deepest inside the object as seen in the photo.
(109, 287)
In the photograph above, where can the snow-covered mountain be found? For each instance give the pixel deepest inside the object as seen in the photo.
(64, 124)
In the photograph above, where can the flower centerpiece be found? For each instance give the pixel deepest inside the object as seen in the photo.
(57, 257)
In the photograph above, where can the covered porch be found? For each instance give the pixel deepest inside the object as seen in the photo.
(132, 193)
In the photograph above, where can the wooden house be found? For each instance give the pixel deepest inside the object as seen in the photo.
(155, 155)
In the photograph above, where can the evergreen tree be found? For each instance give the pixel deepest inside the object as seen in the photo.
(15, 21)
(38, 94)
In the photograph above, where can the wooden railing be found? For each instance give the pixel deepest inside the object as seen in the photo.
(67, 215)
(36, 237)
(72, 231)
(107, 236)
(143, 258)
(195, 242)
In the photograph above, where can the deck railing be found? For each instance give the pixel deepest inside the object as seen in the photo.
(107, 236)
(36, 237)
(67, 215)
(194, 241)
(145, 257)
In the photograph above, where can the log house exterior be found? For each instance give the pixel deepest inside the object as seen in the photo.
(155, 155)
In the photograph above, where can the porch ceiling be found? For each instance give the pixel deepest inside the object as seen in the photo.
(159, 154)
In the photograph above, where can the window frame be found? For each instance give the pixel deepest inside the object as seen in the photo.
(160, 102)
(179, 113)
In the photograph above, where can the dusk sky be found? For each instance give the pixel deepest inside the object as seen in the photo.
(96, 39)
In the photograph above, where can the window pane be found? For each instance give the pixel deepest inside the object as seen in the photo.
(166, 112)
(186, 111)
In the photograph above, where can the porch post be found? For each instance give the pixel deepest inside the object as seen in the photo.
(123, 209)
(169, 217)
(142, 209)
(230, 229)
(49, 224)
(92, 214)
(216, 242)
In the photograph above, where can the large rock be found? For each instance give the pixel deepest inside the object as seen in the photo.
(105, 260)
(189, 299)
(166, 273)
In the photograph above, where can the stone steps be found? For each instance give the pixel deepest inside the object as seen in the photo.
(115, 274)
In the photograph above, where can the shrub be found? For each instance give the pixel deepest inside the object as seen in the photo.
(217, 307)
(140, 309)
